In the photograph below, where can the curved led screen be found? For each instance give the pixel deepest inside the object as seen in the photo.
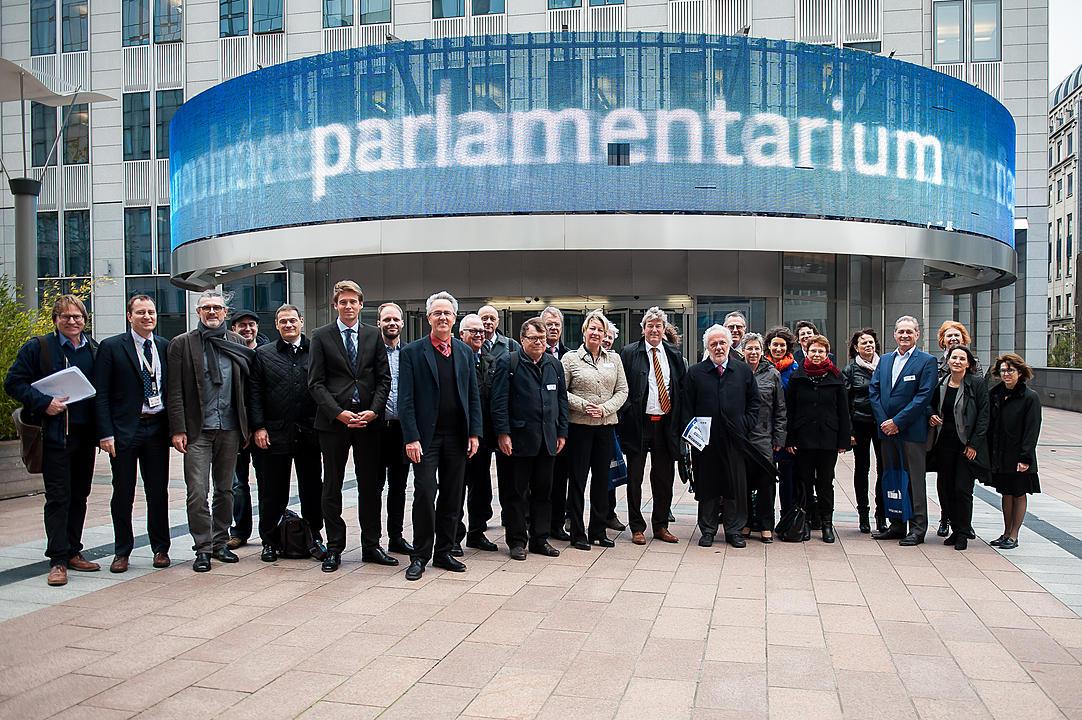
(592, 123)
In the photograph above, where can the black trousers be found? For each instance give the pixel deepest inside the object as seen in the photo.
(437, 496)
(815, 469)
(249, 457)
(561, 471)
(762, 484)
(590, 448)
(655, 442)
(954, 481)
(274, 489)
(729, 513)
(67, 473)
(867, 436)
(335, 445)
(788, 492)
(393, 469)
(528, 500)
(477, 491)
(149, 454)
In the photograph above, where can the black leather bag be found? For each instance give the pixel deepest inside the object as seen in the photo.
(294, 536)
(791, 526)
(30, 440)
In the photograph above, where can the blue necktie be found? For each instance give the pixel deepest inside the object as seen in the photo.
(148, 378)
(351, 351)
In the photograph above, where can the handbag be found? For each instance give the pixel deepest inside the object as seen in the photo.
(618, 465)
(790, 527)
(896, 483)
(31, 441)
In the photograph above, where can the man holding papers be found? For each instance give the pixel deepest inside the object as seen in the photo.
(722, 389)
(68, 432)
(134, 428)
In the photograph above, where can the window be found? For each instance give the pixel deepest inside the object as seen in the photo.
(808, 280)
(565, 83)
(42, 27)
(266, 16)
(1050, 161)
(489, 88)
(137, 126)
(1070, 144)
(172, 319)
(561, 4)
(606, 2)
(262, 294)
(984, 28)
(488, 7)
(375, 11)
(76, 16)
(1059, 306)
(338, 13)
(138, 243)
(1059, 247)
(77, 243)
(42, 134)
(606, 82)
(1070, 305)
(947, 28)
(620, 153)
(164, 240)
(1059, 189)
(168, 21)
(1070, 184)
(232, 18)
(687, 80)
(1050, 258)
(1070, 243)
(77, 135)
(448, 8)
(167, 103)
(48, 245)
(135, 22)
(1059, 150)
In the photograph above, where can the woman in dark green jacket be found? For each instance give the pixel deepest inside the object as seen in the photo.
(1015, 425)
(958, 449)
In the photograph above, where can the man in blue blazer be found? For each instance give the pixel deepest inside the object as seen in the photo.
(439, 406)
(133, 428)
(901, 392)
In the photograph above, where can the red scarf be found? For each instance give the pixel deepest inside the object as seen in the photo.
(783, 364)
(821, 369)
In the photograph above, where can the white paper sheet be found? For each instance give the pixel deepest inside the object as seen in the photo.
(697, 433)
(69, 382)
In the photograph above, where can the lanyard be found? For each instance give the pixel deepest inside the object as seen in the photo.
(149, 367)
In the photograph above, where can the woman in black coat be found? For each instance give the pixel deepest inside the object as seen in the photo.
(819, 427)
(864, 350)
(958, 449)
(1014, 426)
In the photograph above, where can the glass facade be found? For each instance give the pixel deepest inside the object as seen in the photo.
(809, 290)
(448, 9)
(135, 22)
(985, 30)
(337, 13)
(77, 135)
(262, 294)
(172, 318)
(48, 245)
(167, 102)
(164, 264)
(138, 242)
(42, 134)
(232, 18)
(137, 126)
(77, 243)
(947, 31)
(563, 4)
(375, 11)
(168, 20)
(266, 16)
(488, 7)
(42, 27)
(76, 25)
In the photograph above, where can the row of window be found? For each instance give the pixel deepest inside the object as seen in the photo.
(1058, 157)
(1060, 307)
(1058, 197)
(1062, 261)
(72, 32)
(966, 30)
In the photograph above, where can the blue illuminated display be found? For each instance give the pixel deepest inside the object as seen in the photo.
(524, 124)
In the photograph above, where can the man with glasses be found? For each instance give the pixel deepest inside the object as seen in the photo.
(393, 464)
(440, 408)
(737, 325)
(208, 420)
(553, 319)
(529, 416)
(350, 380)
(478, 488)
(68, 432)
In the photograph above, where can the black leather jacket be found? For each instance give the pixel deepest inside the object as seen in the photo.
(280, 400)
(857, 379)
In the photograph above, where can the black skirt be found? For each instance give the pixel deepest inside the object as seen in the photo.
(1016, 484)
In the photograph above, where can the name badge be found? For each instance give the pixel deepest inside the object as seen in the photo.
(550, 386)
(154, 401)
(907, 378)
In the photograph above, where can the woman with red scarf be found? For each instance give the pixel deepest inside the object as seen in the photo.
(779, 351)
(819, 427)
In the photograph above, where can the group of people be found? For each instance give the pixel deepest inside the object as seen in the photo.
(780, 413)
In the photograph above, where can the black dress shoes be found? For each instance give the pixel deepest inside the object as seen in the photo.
(887, 534)
(269, 554)
(580, 544)
(456, 550)
(706, 540)
(911, 540)
(518, 553)
(828, 532)
(318, 550)
(544, 549)
(962, 544)
(951, 539)
(478, 541)
(225, 555)
(447, 562)
(944, 529)
(416, 569)
(865, 526)
(998, 541)
(613, 523)
(560, 535)
(377, 556)
(399, 546)
(331, 561)
(202, 562)
(603, 542)
(1007, 544)
(736, 540)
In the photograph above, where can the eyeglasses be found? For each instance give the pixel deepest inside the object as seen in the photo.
(441, 313)
(534, 338)
(72, 317)
(734, 327)
(1008, 371)
(473, 331)
(212, 308)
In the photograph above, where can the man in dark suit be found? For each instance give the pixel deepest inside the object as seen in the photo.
(130, 378)
(208, 420)
(723, 389)
(250, 458)
(553, 320)
(440, 408)
(495, 346)
(282, 416)
(529, 416)
(394, 466)
(900, 392)
(350, 381)
(655, 374)
(478, 486)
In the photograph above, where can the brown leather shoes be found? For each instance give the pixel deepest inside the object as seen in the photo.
(639, 538)
(81, 564)
(119, 564)
(58, 575)
(161, 560)
(235, 542)
(664, 535)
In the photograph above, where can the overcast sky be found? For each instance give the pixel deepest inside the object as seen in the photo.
(1064, 45)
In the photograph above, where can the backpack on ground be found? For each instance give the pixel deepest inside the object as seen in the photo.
(294, 536)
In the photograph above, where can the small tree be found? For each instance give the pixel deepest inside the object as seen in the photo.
(1065, 351)
(17, 326)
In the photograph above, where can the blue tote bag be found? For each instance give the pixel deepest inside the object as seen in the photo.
(896, 483)
(617, 466)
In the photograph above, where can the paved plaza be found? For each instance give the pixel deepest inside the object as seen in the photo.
(858, 629)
